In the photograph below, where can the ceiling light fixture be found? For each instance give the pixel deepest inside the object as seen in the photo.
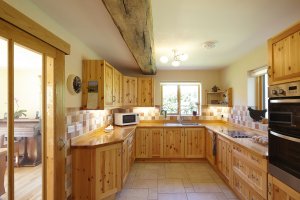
(177, 58)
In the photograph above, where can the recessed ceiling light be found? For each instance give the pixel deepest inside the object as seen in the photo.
(164, 59)
(209, 45)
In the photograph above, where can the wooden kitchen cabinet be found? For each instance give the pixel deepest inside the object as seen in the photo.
(145, 91)
(142, 144)
(210, 139)
(194, 139)
(149, 142)
(129, 91)
(252, 169)
(278, 190)
(173, 143)
(118, 89)
(108, 83)
(224, 157)
(284, 56)
(96, 172)
(128, 155)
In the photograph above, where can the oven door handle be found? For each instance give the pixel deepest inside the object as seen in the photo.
(285, 101)
(285, 137)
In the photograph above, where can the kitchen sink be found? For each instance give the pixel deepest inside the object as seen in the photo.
(182, 124)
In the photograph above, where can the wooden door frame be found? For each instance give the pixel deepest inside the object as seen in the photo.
(26, 32)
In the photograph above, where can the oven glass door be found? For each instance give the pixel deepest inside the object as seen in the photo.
(284, 152)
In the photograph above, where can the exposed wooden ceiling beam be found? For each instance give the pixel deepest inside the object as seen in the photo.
(134, 21)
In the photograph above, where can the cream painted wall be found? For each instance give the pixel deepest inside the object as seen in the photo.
(208, 79)
(27, 91)
(236, 75)
(79, 50)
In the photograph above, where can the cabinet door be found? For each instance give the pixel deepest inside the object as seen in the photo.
(108, 85)
(129, 91)
(143, 143)
(224, 154)
(194, 142)
(295, 54)
(209, 147)
(117, 88)
(145, 91)
(278, 190)
(173, 142)
(125, 160)
(157, 142)
(108, 173)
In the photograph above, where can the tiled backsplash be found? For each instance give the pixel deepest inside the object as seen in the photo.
(79, 122)
(240, 115)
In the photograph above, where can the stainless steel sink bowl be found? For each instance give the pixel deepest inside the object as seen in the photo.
(182, 124)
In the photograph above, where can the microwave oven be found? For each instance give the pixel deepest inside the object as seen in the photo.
(123, 119)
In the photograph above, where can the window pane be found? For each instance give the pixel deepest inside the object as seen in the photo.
(170, 101)
(189, 99)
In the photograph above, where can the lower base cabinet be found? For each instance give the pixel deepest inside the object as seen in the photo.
(279, 191)
(96, 172)
(128, 155)
(224, 156)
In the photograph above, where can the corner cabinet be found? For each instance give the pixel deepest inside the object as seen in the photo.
(284, 56)
(145, 91)
(101, 85)
(129, 91)
(96, 172)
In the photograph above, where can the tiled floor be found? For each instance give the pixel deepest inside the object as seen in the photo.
(174, 181)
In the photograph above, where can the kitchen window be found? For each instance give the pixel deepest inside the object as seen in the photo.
(181, 98)
(260, 80)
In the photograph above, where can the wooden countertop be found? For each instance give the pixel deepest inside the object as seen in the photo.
(222, 129)
(100, 138)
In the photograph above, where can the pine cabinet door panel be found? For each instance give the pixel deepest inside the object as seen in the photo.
(173, 143)
(194, 142)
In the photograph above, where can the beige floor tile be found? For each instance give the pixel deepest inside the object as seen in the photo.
(170, 186)
(176, 174)
(143, 183)
(187, 183)
(146, 174)
(189, 189)
(153, 193)
(206, 187)
(133, 194)
(206, 196)
(178, 196)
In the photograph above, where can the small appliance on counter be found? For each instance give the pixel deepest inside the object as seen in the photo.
(124, 119)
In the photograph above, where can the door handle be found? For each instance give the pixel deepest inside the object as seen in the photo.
(61, 143)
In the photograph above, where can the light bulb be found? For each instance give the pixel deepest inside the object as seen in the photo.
(175, 63)
(164, 59)
(184, 57)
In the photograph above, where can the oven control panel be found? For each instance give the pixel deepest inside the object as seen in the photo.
(285, 90)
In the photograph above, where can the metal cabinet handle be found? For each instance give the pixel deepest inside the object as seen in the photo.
(285, 137)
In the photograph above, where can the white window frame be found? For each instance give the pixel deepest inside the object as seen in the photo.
(179, 95)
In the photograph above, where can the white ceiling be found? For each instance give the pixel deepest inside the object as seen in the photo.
(238, 26)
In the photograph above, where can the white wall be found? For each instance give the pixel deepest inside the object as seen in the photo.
(79, 50)
(236, 75)
(208, 79)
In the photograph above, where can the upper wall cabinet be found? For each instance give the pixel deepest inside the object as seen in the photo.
(129, 91)
(101, 85)
(284, 56)
(145, 91)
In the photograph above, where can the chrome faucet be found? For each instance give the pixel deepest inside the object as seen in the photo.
(180, 118)
(164, 113)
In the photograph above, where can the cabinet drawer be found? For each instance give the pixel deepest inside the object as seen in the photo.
(253, 176)
(251, 158)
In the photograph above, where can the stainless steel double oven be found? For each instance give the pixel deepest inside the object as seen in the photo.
(284, 133)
